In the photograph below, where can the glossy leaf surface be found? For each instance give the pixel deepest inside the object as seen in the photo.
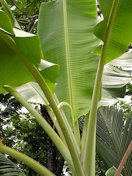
(66, 32)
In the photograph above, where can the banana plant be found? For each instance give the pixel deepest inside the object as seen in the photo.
(66, 60)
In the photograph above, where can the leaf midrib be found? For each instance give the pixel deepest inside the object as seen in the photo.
(68, 56)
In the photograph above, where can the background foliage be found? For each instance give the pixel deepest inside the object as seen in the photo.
(22, 132)
(26, 13)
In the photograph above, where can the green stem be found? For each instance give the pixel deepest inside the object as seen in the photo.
(89, 150)
(75, 125)
(36, 166)
(65, 127)
(83, 147)
(55, 122)
(77, 132)
(51, 133)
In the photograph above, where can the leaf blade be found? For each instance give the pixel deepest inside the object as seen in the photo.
(116, 26)
(68, 40)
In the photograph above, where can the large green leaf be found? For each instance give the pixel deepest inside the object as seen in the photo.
(16, 45)
(114, 133)
(117, 74)
(66, 32)
(116, 27)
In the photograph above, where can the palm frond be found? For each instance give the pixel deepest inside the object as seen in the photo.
(8, 168)
(114, 133)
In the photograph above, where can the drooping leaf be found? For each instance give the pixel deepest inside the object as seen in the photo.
(117, 74)
(107, 99)
(66, 32)
(32, 93)
(116, 27)
(11, 64)
(29, 46)
(13, 48)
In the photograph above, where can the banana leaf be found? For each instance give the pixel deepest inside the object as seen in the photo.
(15, 46)
(115, 27)
(66, 34)
(117, 74)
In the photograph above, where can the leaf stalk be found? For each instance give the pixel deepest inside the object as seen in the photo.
(44, 124)
(88, 156)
